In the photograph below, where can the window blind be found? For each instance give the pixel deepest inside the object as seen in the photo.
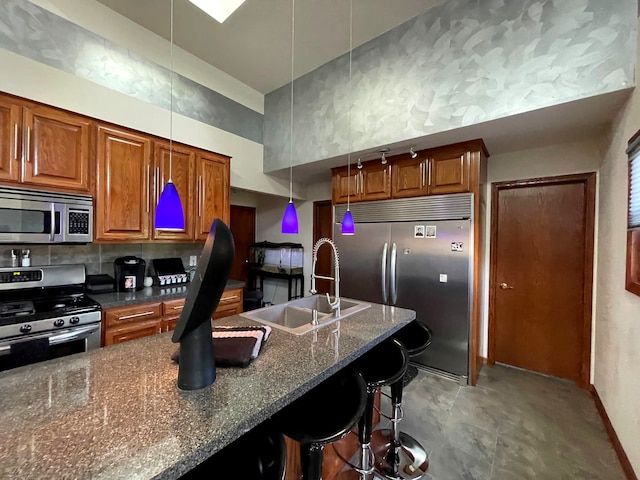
(634, 191)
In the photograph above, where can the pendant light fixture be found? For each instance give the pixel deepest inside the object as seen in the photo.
(348, 227)
(169, 212)
(290, 217)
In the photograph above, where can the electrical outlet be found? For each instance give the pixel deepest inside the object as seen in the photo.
(193, 260)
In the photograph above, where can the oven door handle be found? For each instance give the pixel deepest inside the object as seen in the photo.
(68, 335)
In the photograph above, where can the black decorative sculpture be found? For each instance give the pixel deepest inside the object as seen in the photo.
(197, 367)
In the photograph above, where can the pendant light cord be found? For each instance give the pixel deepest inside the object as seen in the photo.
(349, 96)
(293, 36)
(171, 96)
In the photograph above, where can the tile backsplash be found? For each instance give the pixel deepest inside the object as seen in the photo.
(98, 258)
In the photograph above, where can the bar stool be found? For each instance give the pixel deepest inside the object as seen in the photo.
(259, 454)
(383, 365)
(323, 415)
(398, 454)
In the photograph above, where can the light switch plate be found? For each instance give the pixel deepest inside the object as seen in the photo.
(443, 278)
(193, 260)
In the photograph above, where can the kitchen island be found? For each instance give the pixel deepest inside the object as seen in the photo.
(117, 413)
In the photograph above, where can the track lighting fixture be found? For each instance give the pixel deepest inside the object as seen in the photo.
(412, 153)
(383, 157)
(359, 165)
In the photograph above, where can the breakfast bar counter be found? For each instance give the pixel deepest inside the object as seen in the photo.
(116, 412)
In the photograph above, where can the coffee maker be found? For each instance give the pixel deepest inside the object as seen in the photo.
(129, 273)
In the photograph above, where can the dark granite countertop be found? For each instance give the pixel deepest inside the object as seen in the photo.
(116, 413)
(149, 294)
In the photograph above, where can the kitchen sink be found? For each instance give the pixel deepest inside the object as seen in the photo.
(296, 316)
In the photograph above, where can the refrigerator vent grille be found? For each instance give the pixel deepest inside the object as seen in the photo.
(437, 207)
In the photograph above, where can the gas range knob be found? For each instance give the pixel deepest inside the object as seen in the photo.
(58, 323)
(25, 328)
(74, 320)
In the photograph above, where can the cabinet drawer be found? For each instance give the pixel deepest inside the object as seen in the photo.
(132, 314)
(230, 304)
(125, 333)
(173, 307)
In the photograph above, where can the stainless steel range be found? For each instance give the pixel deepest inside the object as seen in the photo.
(45, 314)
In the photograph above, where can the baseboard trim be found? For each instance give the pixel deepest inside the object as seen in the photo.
(613, 436)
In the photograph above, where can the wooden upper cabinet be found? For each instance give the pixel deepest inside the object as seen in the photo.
(10, 145)
(449, 171)
(375, 181)
(56, 149)
(345, 182)
(409, 177)
(123, 197)
(181, 168)
(212, 192)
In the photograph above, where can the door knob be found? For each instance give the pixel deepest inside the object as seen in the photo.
(504, 286)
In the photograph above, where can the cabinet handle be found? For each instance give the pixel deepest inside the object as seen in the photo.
(136, 315)
(200, 195)
(179, 307)
(148, 186)
(15, 141)
(28, 144)
(159, 329)
(167, 328)
(421, 174)
(226, 299)
(156, 177)
(429, 173)
(361, 182)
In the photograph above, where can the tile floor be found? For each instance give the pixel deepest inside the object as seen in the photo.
(513, 425)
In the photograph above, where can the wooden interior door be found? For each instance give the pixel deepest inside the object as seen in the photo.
(243, 228)
(542, 274)
(56, 149)
(10, 151)
(323, 227)
(182, 165)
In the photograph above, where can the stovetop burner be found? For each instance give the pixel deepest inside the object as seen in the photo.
(16, 309)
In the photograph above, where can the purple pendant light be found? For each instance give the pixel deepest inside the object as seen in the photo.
(169, 212)
(290, 217)
(348, 227)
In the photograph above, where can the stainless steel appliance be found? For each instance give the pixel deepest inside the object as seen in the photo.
(31, 216)
(416, 253)
(45, 314)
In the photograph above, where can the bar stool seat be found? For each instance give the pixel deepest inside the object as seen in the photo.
(321, 416)
(259, 454)
(383, 365)
(399, 455)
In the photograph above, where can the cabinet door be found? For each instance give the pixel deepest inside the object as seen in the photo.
(212, 192)
(10, 151)
(180, 167)
(448, 172)
(126, 333)
(172, 308)
(123, 197)
(345, 182)
(375, 181)
(169, 323)
(56, 149)
(409, 178)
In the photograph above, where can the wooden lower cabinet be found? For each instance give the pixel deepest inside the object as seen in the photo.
(121, 324)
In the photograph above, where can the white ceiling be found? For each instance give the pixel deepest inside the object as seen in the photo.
(254, 43)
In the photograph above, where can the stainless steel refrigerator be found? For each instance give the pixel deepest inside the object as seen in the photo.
(416, 254)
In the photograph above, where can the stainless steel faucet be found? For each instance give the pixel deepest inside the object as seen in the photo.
(335, 305)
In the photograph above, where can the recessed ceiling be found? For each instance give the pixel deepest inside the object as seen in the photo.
(254, 43)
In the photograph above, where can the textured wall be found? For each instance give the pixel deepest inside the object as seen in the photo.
(461, 63)
(617, 352)
(36, 33)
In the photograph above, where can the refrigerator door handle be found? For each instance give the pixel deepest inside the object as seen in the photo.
(394, 290)
(384, 272)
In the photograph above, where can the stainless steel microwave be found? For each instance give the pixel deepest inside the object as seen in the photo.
(31, 216)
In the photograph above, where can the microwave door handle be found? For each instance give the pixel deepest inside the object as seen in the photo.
(52, 234)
